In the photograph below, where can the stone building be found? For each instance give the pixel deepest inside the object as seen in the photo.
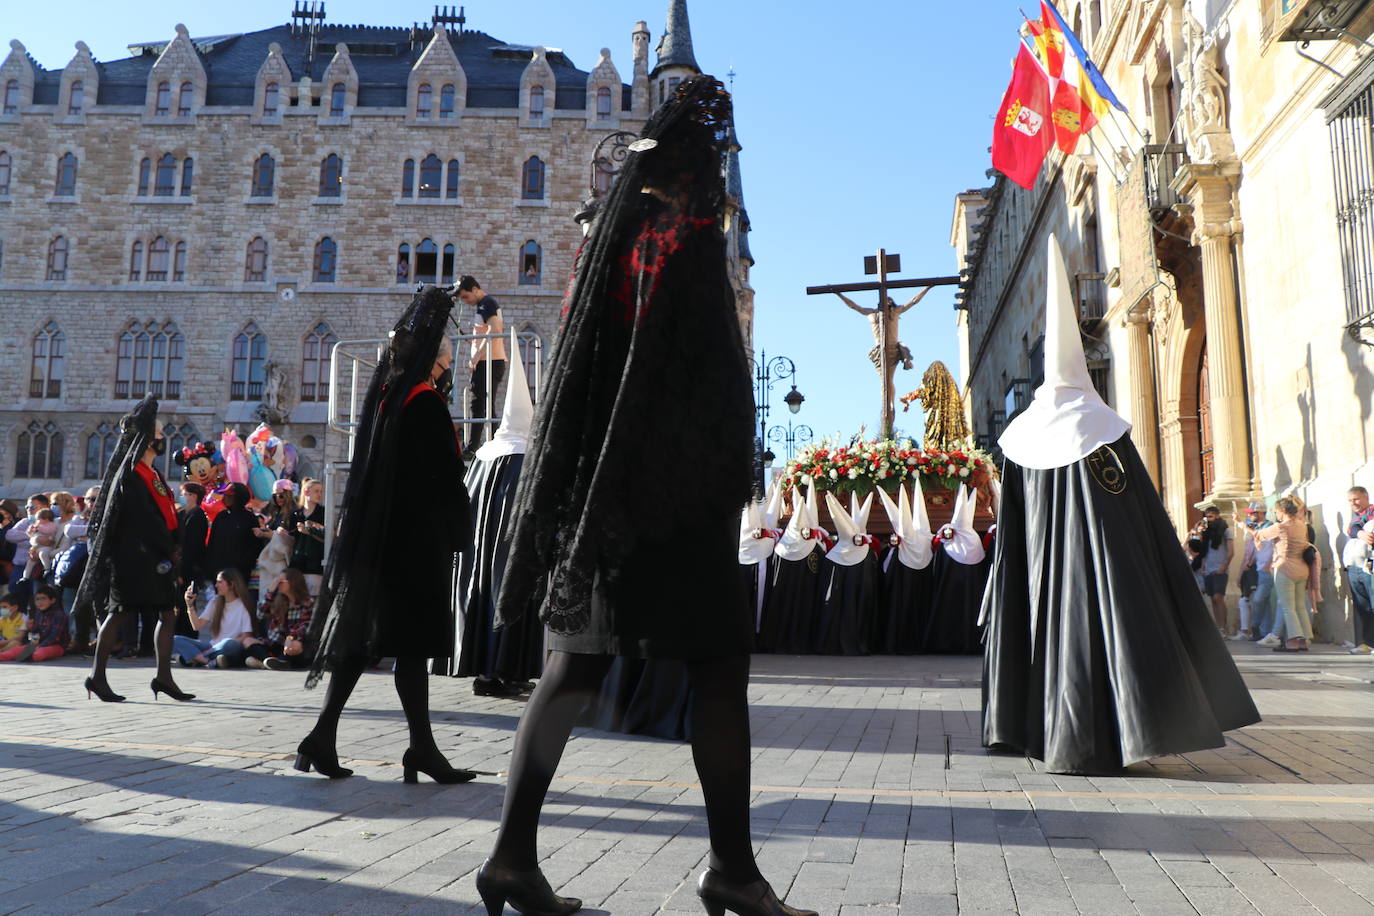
(206, 218)
(1231, 230)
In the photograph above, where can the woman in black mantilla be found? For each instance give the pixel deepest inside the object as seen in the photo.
(388, 586)
(649, 362)
(134, 551)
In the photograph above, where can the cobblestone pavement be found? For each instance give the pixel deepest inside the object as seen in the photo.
(872, 796)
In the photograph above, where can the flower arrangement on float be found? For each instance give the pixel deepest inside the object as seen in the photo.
(860, 466)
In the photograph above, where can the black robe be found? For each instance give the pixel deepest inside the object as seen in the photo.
(139, 545)
(956, 596)
(515, 652)
(849, 607)
(796, 591)
(905, 606)
(1126, 663)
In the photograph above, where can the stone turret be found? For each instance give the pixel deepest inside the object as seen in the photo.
(639, 88)
(676, 61)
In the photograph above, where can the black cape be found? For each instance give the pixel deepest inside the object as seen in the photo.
(514, 652)
(1125, 663)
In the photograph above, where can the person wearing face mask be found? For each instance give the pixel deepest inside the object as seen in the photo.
(134, 551)
(388, 590)
(195, 531)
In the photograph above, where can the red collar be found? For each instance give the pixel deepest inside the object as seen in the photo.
(161, 495)
(423, 386)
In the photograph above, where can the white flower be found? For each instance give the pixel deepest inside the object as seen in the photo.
(853, 472)
(963, 472)
(833, 475)
(949, 469)
(807, 480)
(911, 460)
(885, 474)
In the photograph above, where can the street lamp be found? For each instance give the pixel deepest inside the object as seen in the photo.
(789, 436)
(767, 373)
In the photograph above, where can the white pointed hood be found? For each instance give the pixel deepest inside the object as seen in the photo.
(1067, 420)
(795, 543)
(517, 415)
(966, 546)
(851, 531)
(914, 550)
(757, 532)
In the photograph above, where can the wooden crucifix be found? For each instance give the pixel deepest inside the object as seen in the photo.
(887, 351)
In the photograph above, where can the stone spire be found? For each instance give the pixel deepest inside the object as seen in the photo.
(675, 47)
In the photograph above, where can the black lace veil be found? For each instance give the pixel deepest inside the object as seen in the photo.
(346, 618)
(632, 404)
(137, 429)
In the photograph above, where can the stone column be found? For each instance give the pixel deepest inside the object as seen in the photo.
(1210, 188)
(1144, 431)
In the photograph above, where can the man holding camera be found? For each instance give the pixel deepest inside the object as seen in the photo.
(1220, 544)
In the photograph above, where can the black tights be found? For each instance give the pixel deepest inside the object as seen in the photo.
(720, 750)
(162, 643)
(412, 686)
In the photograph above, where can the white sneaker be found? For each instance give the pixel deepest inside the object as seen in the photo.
(1361, 649)
(221, 661)
(1347, 644)
(1270, 640)
(1241, 636)
(254, 662)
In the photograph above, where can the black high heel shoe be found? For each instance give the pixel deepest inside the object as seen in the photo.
(172, 690)
(103, 691)
(527, 891)
(756, 898)
(435, 767)
(311, 753)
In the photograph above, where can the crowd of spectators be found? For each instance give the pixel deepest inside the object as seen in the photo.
(250, 577)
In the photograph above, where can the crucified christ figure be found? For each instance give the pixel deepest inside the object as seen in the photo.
(884, 320)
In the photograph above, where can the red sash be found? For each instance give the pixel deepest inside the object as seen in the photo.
(161, 495)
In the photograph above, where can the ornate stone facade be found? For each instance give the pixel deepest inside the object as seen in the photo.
(261, 195)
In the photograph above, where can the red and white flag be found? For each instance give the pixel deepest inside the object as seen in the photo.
(1023, 133)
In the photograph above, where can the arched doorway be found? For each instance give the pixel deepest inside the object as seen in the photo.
(1206, 463)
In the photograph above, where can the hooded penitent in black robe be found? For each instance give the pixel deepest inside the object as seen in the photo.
(906, 605)
(1100, 652)
(796, 591)
(956, 595)
(514, 653)
(849, 607)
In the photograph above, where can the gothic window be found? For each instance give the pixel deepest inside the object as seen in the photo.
(408, 178)
(76, 97)
(159, 257)
(45, 373)
(338, 97)
(270, 96)
(6, 164)
(187, 174)
(179, 262)
(331, 176)
(326, 256)
(145, 175)
(178, 437)
(66, 176)
(424, 101)
(532, 179)
(1094, 20)
(99, 447)
(531, 263)
(431, 176)
(403, 263)
(319, 346)
(249, 364)
(150, 359)
(164, 99)
(446, 100)
(446, 271)
(255, 267)
(603, 102)
(136, 262)
(536, 103)
(184, 99)
(426, 262)
(38, 453)
(57, 258)
(451, 187)
(11, 97)
(264, 169)
(165, 183)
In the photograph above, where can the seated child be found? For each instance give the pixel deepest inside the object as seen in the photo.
(42, 537)
(48, 632)
(14, 626)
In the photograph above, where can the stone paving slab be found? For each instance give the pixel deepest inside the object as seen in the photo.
(872, 797)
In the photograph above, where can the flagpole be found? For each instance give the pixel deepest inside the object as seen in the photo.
(1106, 160)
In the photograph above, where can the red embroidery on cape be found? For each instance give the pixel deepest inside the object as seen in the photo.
(641, 265)
(161, 495)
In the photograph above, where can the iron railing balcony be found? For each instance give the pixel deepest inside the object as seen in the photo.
(1162, 162)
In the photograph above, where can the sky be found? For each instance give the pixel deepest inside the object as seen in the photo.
(859, 125)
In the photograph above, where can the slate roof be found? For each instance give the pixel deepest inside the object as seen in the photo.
(382, 57)
(675, 47)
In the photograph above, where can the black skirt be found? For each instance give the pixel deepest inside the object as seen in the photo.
(848, 608)
(513, 653)
(796, 591)
(670, 602)
(638, 696)
(905, 607)
(1125, 662)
